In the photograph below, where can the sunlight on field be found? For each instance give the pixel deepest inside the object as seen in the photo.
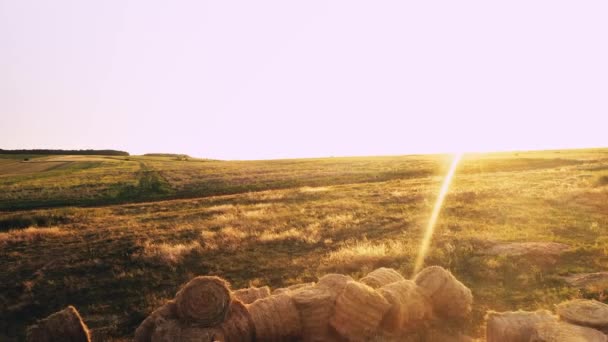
(428, 233)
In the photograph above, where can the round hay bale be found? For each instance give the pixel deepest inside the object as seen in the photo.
(315, 305)
(251, 294)
(288, 290)
(204, 300)
(173, 330)
(358, 311)
(594, 282)
(589, 313)
(450, 297)
(282, 290)
(565, 332)
(443, 335)
(409, 308)
(65, 325)
(276, 319)
(514, 326)
(380, 277)
(144, 331)
(414, 336)
(299, 286)
(334, 282)
(238, 326)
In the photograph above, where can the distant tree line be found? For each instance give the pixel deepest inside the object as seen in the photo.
(67, 152)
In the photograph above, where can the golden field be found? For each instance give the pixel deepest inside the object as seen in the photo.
(115, 236)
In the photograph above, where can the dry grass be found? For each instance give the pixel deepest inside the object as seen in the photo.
(303, 235)
(165, 253)
(365, 254)
(231, 238)
(315, 189)
(30, 234)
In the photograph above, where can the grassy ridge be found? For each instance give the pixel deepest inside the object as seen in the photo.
(305, 218)
(97, 180)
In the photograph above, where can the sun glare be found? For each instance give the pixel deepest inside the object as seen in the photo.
(430, 229)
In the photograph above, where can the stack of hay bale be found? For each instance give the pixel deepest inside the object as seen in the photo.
(382, 306)
(576, 320)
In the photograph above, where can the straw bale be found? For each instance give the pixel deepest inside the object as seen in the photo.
(590, 313)
(565, 332)
(204, 300)
(62, 326)
(174, 330)
(595, 282)
(449, 297)
(358, 311)
(514, 326)
(381, 276)
(281, 290)
(143, 333)
(442, 335)
(409, 308)
(334, 282)
(276, 319)
(238, 326)
(299, 286)
(315, 305)
(288, 290)
(251, 294)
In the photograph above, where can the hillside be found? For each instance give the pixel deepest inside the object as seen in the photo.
(115, 236)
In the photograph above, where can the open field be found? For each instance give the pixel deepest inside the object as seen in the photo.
(115, 236)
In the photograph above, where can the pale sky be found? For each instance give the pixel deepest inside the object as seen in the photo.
(273, 79)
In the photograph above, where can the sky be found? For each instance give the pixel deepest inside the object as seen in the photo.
(288, 79)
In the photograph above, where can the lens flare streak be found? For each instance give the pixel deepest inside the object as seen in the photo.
(430, 229)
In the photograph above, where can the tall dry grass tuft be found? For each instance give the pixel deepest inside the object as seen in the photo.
(30, 234)
(165, 253)
(227, 239)
(357, 255)
(292, 234)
